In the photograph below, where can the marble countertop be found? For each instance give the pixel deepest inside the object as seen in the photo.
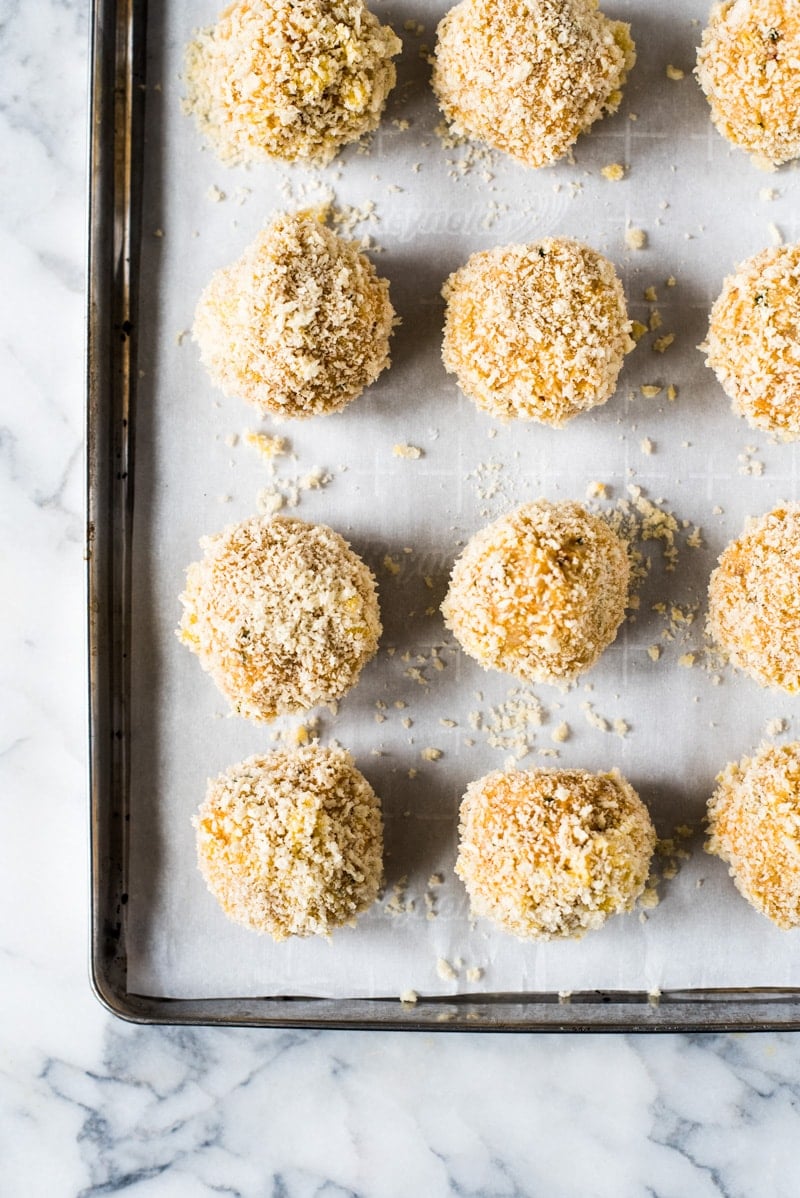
(89, 1105)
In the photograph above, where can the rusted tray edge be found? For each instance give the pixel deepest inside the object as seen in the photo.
(117, 56)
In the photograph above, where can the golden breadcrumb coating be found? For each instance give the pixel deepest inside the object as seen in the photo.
(754, 599)
(289, 79)
(753, 342)
(528, 76)
(754, 825)
(550, 853)
(536, 331)
(282, 614)
(300, 324)
(540, 593)
(748, 66)
(291, 843)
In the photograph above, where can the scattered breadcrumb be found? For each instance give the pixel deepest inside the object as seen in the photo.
(776, 726)
(613, 172)
(663, 343)
(561, 732)
(675, 72)
(431, 754)
(635, 239)
(407, 451)
(267, 447)
(474, 973)
(445, 970)
(651, 390)
(409, 997)
(654, 652)
(647, 446)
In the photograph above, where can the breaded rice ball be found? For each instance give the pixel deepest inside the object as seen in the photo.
(536, 331)
(282, 614)
(754, 599)
(289, 79)
(550, 853)
(540, 593)
(753, 342)
(291, 844)
(528, 76)
(754, 825)
(300, 324)
(748, 66)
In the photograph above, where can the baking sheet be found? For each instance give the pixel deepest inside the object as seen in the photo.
(703, 207)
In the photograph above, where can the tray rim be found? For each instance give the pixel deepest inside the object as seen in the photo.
(116, 117)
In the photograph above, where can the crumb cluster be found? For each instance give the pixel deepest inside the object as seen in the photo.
(540, 593)
(300, 324)
(553, 853)
(282, 614)
(294, 81)
(529, 76)
(753, 343)
(754, 600)
(536, 331)
(754, 825)
(291, 843)
(748, 66)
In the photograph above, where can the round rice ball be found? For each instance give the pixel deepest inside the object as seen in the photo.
(291, 843)
(753, 343)
(748, 66)
(536, 331)
(529, 76)
(540, 593)
(754, 825)
(289, 79)
(754, 599)
(299, 325)
(282, 614)
(549, 854)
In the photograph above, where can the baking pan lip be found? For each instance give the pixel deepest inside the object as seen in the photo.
(117, 32)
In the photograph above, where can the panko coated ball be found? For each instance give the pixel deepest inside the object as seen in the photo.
(753, 342)
(536, 331)
(299, 325)
(289, 79)
(291, 843)
(548, 853)
(282, 614)
(748, 66)
(754, 599)
(529, 76)
(754, 826)
(540, 593)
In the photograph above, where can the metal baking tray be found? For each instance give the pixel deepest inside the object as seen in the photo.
(118, 98)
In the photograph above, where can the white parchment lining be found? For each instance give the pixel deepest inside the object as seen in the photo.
(703, 208)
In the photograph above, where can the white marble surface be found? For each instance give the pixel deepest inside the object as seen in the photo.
(91, 1106)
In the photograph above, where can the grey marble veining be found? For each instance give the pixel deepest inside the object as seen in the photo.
(89, 1106)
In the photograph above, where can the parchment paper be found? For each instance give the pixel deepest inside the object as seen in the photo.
(704, 208)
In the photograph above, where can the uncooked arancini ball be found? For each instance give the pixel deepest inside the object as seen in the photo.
(748, 66)
(289, 79)
(754, 825)
(753, 342)
(299, 325)
(536, 331)
(291, 843)
(528, 76)
(540, 593)
(282, 614)
(549, 853)
(754, 599)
